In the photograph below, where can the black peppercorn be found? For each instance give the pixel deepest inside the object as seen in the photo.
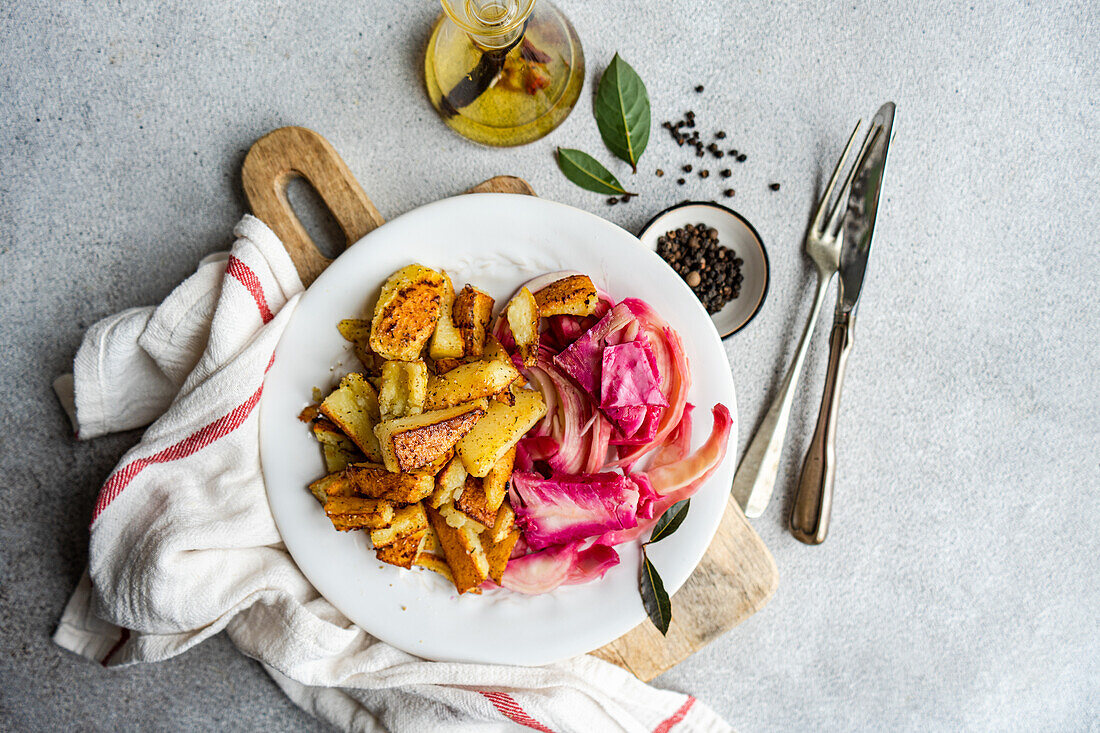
(699, 88)
(660, 172)
(680, 181)
(725, 173)
(687, 168)
(612, 201)
(729, 193)
(773, 186)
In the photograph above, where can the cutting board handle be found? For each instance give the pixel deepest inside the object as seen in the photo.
(295, 152)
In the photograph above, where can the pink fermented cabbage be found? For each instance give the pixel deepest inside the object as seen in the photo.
(630, 390)
(582, 359)
(543, 571)
(565, 508)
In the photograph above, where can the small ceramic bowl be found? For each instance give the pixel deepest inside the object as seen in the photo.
(735, 232)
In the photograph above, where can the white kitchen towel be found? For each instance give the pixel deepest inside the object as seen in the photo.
(183, 543)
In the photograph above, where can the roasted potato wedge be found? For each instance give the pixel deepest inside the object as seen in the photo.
(334, 484)
(571, 296)
(355, 512)
(406, 314)
(355, 330)
(523, 321)
(337, 459)
(499, 430)
(402, 552)
(407, 443)
(506, 520)
(435, 563)
(469, 382)
(495, 483)
(474, 504)
(442, 366)
(404, 385)
(407, 520)
(447, 482)
(471, 312)
(353, 408)
(437, 465)
(447, 340)
(462, 549)
(374, 481)
(498, 553)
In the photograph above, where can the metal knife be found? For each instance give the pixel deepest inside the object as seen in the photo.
(814, 498)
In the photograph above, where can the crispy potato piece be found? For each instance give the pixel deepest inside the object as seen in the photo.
(435, 563)
(446, 340)
(506, 520)
(474, 504)
(402, 552)
(463, 551)
(338, 449)
(407, 312)
(404, 385)
(469, 382)
(406, 521)
(355, 330)
(431, 545)
(353, 408)
(499, 430)
(571, 296)
(496, 481)
(374, 481)
(408, 443)
(447, 481)
(442, 366)
(495, 352)
(355, 512)
(309, 413)
(327, 433)
(334, 484)
(498, 553)
(523, 321)
(337, 459)
(437, 465)
(471, 313)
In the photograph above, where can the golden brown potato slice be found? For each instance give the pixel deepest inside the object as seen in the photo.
(447, 339)
(523, 321)
(334, 484)
(447, 482)
(353, 408)
(374, 481)
(406, 313)
(496, 481)
(404, 385)
(506, 520)
(407, 520)
(435, 563)
(355, 330)
(309, 413)
(571, 296)
(474, 504)
(442, 366)
(499, 430)
(437, 465)
(403, 551)
(463, 550)
(469, 382)
(410, 442)
(337, 459)
(355, 512)
(471, 313)
(498, 553)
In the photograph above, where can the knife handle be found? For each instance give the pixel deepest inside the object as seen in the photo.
(814, 498)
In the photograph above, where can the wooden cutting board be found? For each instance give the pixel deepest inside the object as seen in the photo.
(735, 578)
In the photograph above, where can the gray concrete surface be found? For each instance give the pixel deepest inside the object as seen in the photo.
(959, 588)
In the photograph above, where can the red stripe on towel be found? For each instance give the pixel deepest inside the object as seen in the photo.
(510, 709)
(676, 717)
(248, 278)
(193, 443)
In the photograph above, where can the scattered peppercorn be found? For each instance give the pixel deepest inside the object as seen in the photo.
(687, 168)
(725, 173)
(741, 158)
(626, 198)
(612, 201)
(680, 181)
(773, 186)
(729, 193)
(704, 173)
(699, 88)
(711, 270)
(660, 173)
(720, 134)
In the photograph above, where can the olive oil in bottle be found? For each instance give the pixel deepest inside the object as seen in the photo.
(503, 72)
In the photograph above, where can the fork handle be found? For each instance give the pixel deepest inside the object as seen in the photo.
(755, 478)
(814, 499)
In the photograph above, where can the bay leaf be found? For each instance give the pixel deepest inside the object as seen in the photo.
(670, 521)
(657, 604)
(622, 111)
(585, 171)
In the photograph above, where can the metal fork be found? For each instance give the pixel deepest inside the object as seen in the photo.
(755, 478)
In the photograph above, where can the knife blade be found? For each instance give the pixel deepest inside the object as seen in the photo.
(862, 210)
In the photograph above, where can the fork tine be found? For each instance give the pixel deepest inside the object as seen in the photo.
(821, 208)
(842, 200)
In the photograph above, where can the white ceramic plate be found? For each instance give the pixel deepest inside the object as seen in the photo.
(497, 242)
(735, 232)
